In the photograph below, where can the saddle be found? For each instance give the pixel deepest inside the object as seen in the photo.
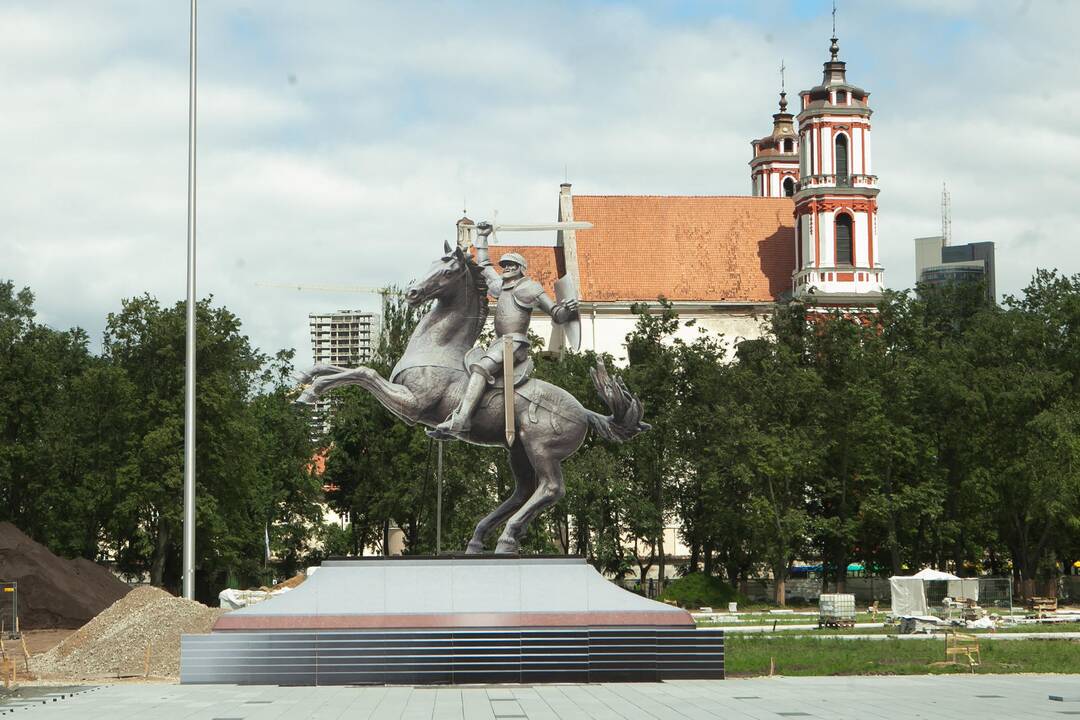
(522, 371)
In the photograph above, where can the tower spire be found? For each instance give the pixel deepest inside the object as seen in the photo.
(834, 48)
(783, 94)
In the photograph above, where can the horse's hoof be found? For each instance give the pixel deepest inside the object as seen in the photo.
(474, 548)
(306, 398)
(506, 547)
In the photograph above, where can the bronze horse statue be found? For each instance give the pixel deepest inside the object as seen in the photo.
(428, 381)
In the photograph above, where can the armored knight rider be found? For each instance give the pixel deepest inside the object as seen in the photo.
(517, 295)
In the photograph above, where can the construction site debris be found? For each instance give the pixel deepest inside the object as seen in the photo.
(232, 599)
(54, 592)
(137, 635)
(289, 584)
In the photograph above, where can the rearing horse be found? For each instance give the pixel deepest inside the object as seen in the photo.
(428, 380)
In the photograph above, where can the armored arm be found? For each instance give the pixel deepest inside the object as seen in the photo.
(560, 312)
(491, 276)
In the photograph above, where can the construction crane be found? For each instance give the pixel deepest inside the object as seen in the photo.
(331, 288)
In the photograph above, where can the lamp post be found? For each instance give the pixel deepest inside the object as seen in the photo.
(189, 364)
(438, 503)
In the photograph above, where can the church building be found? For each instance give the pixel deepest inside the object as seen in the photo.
(807, 231)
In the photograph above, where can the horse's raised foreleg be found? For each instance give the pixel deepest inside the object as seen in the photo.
(398, 399)
(550, 488)
(525, 479)
(318, 370)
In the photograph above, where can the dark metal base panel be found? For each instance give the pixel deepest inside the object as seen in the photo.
(447, 657)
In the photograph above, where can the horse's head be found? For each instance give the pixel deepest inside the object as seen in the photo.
(444, 274)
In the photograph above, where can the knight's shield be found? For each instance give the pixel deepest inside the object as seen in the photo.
(565, 289)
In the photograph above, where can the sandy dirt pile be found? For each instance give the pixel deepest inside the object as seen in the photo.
(114, 643)
(54, 592)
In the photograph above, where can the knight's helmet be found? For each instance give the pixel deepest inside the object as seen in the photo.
(514, 258)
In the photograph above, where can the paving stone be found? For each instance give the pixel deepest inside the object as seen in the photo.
(896, 698)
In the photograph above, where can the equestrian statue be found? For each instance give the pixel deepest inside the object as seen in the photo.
(485, 395)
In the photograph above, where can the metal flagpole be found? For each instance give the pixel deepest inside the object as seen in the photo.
(189, 367)
(438, 506)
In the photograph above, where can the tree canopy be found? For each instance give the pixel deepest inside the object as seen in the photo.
(935, 429)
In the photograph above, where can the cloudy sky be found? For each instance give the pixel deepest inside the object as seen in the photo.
(339, 140)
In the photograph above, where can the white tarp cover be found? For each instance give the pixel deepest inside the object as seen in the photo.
(929, 574)
(908, 596)
(966, 589)
(909, 592)
(231, 599)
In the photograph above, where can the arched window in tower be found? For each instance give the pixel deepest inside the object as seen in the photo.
(789, 145)
(798, 245)
(842, 160)
(789, 186)
(844, 249)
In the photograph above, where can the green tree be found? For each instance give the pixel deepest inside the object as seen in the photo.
(249, 449)
(776, 445)
(654, 462)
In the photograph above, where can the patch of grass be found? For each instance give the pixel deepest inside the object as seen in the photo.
(894, 629)
(1042, 627)
(749, 655)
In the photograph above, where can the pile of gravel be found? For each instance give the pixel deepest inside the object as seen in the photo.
(54, 592)
(114, 643)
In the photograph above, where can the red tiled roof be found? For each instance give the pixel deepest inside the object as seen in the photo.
(704, 248)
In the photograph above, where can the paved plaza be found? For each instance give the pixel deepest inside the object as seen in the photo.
(865, 698)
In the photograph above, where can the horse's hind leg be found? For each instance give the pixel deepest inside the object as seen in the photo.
(550, 488)
(525, 479)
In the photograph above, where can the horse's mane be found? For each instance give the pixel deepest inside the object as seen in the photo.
(479, 285)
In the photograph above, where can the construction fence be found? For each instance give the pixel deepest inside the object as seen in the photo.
(996, 593)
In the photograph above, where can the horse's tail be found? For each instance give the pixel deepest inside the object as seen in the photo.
(624, 422)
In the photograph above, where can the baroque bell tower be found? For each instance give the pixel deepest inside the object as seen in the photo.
(836, 251)
(774, 167)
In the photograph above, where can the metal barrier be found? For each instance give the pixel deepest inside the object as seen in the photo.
(992, 594)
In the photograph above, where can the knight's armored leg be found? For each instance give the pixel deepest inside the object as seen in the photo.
(460, 421)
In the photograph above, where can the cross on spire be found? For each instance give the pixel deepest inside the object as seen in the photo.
(834, 49)
(783, 94)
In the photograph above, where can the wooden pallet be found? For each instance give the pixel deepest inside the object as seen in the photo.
(961, 644)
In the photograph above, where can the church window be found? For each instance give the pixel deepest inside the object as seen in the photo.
(841, 97)
(844, 248)
(789, 145)
(789, 187)
(798, 246)
(841, 159)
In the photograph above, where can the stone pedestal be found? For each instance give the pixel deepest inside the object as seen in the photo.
(448, 620)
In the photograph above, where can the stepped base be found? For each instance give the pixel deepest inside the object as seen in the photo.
(453, 620)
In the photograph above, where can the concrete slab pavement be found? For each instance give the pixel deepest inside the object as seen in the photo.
(926, 697)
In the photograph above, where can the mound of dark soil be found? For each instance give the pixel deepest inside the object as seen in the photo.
(54, 592)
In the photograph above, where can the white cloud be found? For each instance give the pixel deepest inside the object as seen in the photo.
(339, 140)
